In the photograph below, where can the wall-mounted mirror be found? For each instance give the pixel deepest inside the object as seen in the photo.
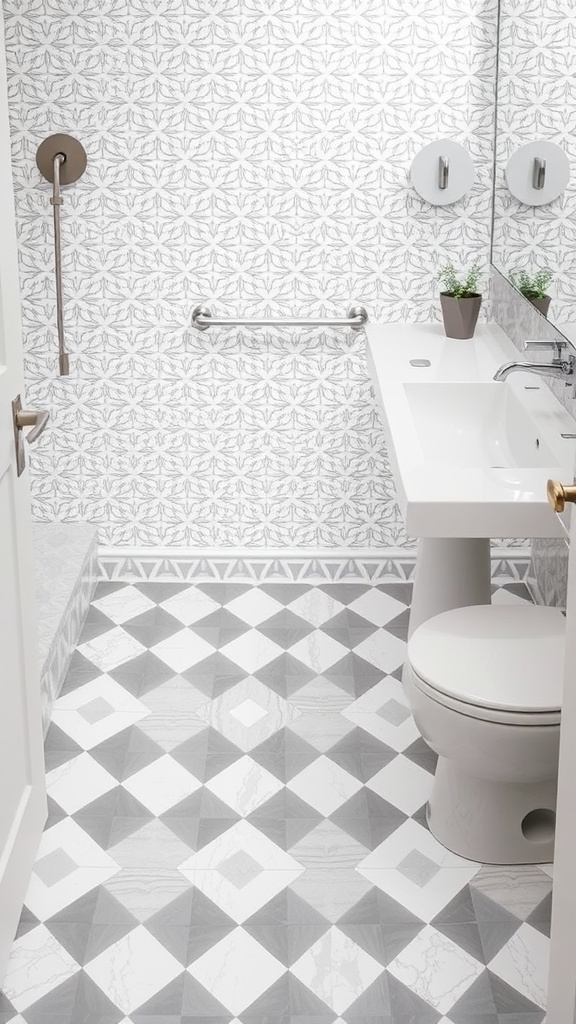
(536, 103)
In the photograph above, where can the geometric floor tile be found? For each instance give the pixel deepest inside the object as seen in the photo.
(361, 754)
(523, 964)
(403, 783)
(111, 649)
(324, 969)
(377, 607)
(416, 871)
(94, 712)
(244, 785)
(318, 651)
(237, 970)
(229, 848)
(321, 730)
(133, 969)
(145, 891)
(383, 712)
(182, 650)
(248, 714)
(189, 926)
(151, 846)
(324, 785)
(520, 889)
(77, 782)
(123, 605)
(450, 970)
(327, 846)
(161, 784)
(189, 605)
(332, 893)
(70, 864)
(37, 964)
(241, 870)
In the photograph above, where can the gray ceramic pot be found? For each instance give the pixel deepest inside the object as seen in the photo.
(460, 315)
(542, 305)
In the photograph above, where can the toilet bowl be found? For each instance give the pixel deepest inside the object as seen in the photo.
(485, 685)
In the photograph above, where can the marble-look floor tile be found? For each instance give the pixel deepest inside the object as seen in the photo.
(161, 784)
(143, 892)
(244, 785)
(97, 710)
(133, 969)
(332, 893)
(37, 964)
(337, 970)
(241, 870)
(241, 845)
(89, 865)
(519, 889)
(379, 712)
(403, 783)
(324, 785)
(318, 651)
(189, 605)
(78, 781)
(436, 969)
(248, 714)
(182, 650)
(111, 649)
(152, 846)
(316, 606)
(237, 970)
(328, 847)
(523, 964)
(123, 604)
(384, 650)
(252, 651)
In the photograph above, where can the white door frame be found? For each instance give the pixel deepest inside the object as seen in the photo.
(22, 781)
(562, 983)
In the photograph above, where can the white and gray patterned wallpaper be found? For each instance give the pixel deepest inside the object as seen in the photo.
(253, 154)
(537, 101)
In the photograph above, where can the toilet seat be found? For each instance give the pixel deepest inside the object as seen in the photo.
(497, 663)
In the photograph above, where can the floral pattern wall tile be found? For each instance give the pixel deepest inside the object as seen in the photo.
(253, 156)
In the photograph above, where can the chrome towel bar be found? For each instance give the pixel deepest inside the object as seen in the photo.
(203, 318)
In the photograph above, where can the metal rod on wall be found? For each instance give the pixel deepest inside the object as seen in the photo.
(203, 318)
(63, 360)
(61, 159)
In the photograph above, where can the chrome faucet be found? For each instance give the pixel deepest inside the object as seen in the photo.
(562, 366)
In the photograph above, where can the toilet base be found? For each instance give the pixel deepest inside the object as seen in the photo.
(492, 822)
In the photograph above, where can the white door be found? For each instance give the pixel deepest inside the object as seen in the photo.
(22, 796)
(562, 984)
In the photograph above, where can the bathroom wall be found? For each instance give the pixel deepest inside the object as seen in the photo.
(254, 156)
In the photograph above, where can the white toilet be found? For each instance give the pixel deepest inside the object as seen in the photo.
(485, 687)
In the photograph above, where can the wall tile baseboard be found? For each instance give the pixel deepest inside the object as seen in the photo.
(280, 565)
(66, 573)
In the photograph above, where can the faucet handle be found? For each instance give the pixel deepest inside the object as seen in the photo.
(557, 346)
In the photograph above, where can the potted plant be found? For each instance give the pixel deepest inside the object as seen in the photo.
(534, 287)
(460, 300)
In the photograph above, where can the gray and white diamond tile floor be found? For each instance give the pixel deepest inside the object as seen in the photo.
(236, 828)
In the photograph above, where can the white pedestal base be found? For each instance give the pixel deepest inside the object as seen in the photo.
(450, 573)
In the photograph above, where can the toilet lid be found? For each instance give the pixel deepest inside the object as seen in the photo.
(511, 658)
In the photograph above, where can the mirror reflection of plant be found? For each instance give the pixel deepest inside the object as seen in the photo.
(533, 286)
(460, 285)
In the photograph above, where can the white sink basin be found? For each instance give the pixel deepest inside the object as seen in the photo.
(475, 425)
(470, 456)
